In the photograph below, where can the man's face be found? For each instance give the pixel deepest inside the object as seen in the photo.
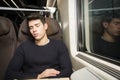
(113, 28)
(37, 29)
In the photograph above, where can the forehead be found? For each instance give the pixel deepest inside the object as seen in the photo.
(33, 22)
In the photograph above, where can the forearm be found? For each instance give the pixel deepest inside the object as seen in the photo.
(48, 73)
(19, 75)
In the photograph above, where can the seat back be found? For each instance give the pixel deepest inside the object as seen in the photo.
(96, 25)
(53, 31)
(23, 33)
(96, 29)
(7, 44)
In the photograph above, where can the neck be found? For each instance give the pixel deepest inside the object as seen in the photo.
(108, 38)
(42, 42)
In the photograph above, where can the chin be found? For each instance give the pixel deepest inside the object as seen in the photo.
(37, 39)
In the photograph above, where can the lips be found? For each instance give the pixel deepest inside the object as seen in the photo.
(35, 34)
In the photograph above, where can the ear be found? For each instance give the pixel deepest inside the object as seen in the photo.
(46, 26)
(105, 24)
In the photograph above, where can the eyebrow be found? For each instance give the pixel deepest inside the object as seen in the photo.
(37, 24)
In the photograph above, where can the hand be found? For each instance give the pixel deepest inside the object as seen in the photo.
(47, 73)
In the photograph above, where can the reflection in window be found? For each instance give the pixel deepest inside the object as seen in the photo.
(104, 21)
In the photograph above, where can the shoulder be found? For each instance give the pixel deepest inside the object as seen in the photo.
(25, 44)
(58, 42)
(23, 47)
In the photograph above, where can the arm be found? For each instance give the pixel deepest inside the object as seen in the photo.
(14, 70)
(65, 63)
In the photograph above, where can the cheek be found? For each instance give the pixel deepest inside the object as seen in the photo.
(40, 29)
(111, 27)
(30, 31)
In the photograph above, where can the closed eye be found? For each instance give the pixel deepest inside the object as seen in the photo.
(37, 25)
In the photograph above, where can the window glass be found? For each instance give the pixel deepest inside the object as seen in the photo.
(104, 23)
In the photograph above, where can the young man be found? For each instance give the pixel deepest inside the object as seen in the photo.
(109, 43)
(40, 58)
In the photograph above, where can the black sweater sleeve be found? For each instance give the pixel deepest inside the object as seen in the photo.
(14, 70)
(65, 63)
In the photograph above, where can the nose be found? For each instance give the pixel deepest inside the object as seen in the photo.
(34, 29)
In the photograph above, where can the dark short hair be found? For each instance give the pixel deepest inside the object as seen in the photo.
(34, 16)
(108, 17)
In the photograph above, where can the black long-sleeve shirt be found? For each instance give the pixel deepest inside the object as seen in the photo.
(108, 49)
(30, 60)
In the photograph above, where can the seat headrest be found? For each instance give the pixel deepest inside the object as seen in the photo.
(4, 23)
(53, 26)
(23, 27)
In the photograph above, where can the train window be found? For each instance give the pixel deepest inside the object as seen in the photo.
(101, 25)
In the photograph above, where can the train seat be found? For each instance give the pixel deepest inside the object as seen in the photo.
(54, 30)
(7, 43)
(97, 29)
